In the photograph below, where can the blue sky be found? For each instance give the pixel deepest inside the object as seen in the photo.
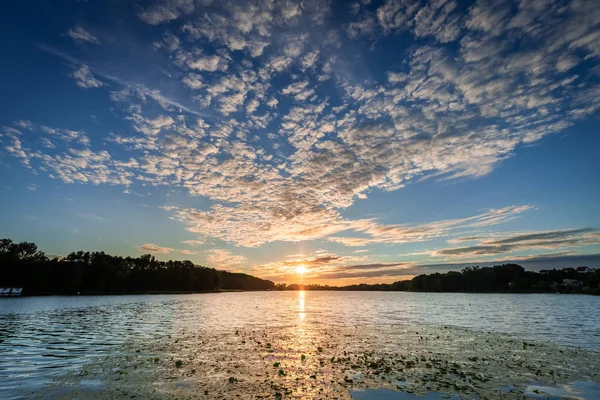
(365, 141)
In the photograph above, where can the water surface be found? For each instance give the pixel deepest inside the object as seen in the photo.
(41, 337)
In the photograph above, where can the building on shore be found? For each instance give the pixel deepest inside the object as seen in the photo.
(11, 292)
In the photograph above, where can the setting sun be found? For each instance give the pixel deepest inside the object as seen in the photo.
(301, 269)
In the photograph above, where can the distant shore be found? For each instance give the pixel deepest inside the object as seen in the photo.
(341, 289)
(98, 273)
(147, 292)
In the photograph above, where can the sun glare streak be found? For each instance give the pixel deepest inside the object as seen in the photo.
(301, 314)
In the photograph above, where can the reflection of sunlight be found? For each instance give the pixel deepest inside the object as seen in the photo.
(301, 314)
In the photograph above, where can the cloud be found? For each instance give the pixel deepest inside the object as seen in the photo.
(326, 266)
(85, 79)
(130, 89)
(224, 259)
(193, 242)
(365, 27)
(47, 143)
(74, 162)
(79, 34)
(545, 236)
(403, 270)
(193, 81)
(187, 252)
(90, 216)
(166, 10)
(366, 273)
(153, 248)
(382, 233)
(280, 129)
(559, 239)
(61, 134)
(143, 92)
(299, 90)
(208, 63)
(374, 266)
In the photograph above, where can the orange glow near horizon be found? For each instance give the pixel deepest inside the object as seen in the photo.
(296, 278)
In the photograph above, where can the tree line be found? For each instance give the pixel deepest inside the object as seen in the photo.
(506, 278)
(23, 265)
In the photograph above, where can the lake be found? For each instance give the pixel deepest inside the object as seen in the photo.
(42, 338)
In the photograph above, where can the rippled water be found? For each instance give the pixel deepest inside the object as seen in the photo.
(538, 391)
(44, 336)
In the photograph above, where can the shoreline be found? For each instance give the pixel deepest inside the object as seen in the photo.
(148, 292)
(172, 292)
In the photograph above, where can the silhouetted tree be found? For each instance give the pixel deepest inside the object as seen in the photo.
(22, 265)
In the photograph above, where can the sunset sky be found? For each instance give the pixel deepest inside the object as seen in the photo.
(363, 141)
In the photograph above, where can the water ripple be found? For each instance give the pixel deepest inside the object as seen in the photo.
(44, 336)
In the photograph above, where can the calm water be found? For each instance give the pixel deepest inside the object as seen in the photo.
(44, 336)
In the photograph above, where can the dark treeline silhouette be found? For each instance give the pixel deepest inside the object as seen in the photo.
(506, 278)
(22, 265)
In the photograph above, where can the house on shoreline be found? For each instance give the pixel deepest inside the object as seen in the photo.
(11, 292)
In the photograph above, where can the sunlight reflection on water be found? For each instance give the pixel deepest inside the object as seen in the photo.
(301, 312)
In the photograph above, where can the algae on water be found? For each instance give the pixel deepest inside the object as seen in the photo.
(316, 363)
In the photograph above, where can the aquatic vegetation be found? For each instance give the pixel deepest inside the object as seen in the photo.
(411, 359)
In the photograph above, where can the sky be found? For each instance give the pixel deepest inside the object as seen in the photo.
(366, 141)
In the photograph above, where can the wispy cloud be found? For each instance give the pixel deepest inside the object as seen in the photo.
(558, 239)
(153, 248)
(381, 233)
(90, 216)
(132, 89)
(193, 242)
(79, 34)
(165, 10)
(188, 252)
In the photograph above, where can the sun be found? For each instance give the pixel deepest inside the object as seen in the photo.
(301, 269)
